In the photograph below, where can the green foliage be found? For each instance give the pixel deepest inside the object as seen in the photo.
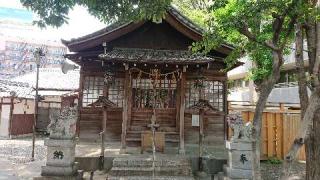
(225, 21)
(196, 10)
(228, 20)
(274, 160)
(55, 12)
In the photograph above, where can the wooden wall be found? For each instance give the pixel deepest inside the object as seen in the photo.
(21, 124)
(91, 120)
(90, 123)
(279, 129)
(213, 128)
(114, 124)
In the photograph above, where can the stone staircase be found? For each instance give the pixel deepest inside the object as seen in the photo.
(140, 168)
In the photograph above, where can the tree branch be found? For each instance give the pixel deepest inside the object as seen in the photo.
(245, 31)
(288, 32)
(277, 28)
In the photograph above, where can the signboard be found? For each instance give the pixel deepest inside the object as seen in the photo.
(195, 120)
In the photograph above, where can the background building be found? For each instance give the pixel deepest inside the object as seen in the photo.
(285, 91)
(17, 99)
(18, 40)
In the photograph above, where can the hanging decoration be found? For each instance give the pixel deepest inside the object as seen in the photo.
(158, 95)
(199, 81)
(108, 75)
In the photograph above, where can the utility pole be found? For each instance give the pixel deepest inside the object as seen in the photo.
(38, 54)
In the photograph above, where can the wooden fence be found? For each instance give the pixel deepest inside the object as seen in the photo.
(279, 128)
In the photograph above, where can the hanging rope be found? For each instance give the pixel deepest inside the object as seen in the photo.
(173, 73)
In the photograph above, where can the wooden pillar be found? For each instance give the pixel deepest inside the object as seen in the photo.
(129, 102)
(80, 98)
(226, 106)
(201, 136)
(178, 107)
(126, 99)
(104, 120)
(181, 113)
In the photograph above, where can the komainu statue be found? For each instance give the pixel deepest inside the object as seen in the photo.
(63, 125)
(241, 131)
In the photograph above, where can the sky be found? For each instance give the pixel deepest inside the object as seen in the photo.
(80, 22)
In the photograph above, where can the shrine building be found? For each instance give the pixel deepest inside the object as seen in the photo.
(133, 71)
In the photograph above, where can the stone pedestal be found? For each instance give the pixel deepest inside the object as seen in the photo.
(240, 164)
(60, 158)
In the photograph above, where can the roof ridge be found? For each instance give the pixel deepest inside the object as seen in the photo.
(108, 28)
(185, 19)
(148, 49)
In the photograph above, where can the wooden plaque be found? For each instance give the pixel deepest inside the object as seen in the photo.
(146, 141)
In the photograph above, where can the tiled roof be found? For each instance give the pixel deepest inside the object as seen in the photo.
(98, 33)
(203, 104)
(155, 56)
(51, 78)
(19, 89)
(104, 102)
(173, 11)
(185, 20)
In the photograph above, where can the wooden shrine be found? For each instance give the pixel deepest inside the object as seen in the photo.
(146, 69)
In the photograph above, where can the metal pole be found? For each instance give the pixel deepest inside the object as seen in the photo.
(35, 107)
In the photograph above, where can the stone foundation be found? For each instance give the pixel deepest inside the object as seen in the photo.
(239, 160)
(60, 158)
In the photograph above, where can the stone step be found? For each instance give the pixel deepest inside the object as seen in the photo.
(147, 161)
(148, 171)
(140, 166)
(149, 164)
(148, 178)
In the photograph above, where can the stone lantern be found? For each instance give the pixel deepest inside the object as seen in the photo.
(61, 144)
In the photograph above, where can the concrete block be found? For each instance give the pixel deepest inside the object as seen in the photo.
(60, 156)
(239, 173)
(58, 171)
(60, 142)
(239, 145)
(240, 159)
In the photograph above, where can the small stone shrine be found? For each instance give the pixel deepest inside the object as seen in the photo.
(61, 144)
(240, 148)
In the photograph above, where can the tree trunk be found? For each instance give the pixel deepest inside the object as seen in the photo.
(302, 83)
(311, 144)
(266, 88)
(313, 157)
(302, 80)
(304, 131)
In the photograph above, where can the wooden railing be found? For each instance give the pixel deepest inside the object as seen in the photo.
(280, 124)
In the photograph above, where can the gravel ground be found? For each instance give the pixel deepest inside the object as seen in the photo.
(15, 161)
(15, 158)
(19, 150)
(272, 171)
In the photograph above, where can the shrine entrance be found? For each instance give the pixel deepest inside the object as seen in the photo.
(154, 97)
(154, 91)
